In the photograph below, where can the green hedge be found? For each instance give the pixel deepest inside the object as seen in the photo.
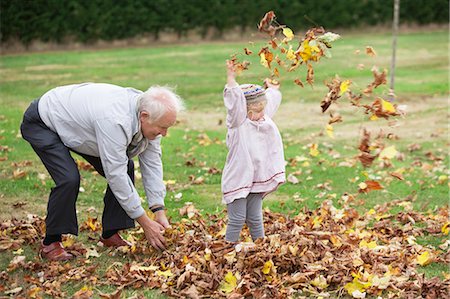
(90, 20)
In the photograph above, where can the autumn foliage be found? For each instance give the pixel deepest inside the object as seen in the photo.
(327, 251)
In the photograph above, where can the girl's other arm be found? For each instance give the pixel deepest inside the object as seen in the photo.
(273, 96)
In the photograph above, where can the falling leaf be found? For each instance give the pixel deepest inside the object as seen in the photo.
(247, 51)
(266, 24)
(329, 129)
(288, 33)
(344, 87)
(298, 82)
(370, 51)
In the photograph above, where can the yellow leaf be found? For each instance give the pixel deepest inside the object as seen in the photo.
(446, 228)
(313, 150)
(166, 273)
(263, 60)
(305, 51)
(222, 232)
(169, 182)
(362, 186)
(207, 255)
(381, 282)
(373, 117)
(320, 282)
(317, 221)
(387, 106)
(424, 259)
(329, 130)
(442, 179)
(68, 242)
(290, 54)
(344, 87)
(388, 153)
(229, 283)
(293, 249)
(18, 251)
(365, 244)
(336, 241)
(288, 33)
(267, 267)
(34, 293)
(357, 286)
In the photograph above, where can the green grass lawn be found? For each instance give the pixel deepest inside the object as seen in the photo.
(198, 72)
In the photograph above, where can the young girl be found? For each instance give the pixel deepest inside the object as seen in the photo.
(255, 163)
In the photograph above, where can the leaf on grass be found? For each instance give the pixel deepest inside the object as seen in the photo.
(388, 153)
(424, 259)
(229, 283)
(84, 293)
(313, 150)
(367, 186)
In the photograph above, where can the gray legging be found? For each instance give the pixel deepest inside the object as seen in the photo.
(245, 210)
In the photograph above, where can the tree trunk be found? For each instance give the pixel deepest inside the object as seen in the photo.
(394, 48)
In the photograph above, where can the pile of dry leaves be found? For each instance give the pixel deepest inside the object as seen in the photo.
(327, 252)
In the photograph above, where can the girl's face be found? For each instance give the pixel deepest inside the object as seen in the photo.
(255, 111)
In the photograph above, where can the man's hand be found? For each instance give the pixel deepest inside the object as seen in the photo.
(160, 217)
(153, 232)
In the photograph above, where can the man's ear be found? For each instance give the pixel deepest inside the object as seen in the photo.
(144, 115)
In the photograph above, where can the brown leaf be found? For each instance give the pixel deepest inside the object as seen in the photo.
(190, 292)
(266, 24)
(299, 82)
(370, 51)
(114, 295)
(310, 75)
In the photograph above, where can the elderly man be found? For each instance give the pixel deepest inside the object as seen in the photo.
(108, 125)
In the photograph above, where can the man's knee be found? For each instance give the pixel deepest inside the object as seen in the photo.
(71, 181)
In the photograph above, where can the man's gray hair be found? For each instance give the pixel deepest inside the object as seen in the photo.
(158, 100)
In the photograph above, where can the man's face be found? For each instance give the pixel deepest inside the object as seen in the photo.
(151, 130)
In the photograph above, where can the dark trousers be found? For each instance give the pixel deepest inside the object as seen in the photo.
(61, 210)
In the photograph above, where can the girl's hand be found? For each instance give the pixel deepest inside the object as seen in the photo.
(271, 83)
(230, 69)
(231, 74)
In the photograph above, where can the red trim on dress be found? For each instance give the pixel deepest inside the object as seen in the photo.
(259, 182)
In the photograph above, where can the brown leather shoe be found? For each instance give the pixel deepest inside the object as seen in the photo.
(54, 252)
(115, 241)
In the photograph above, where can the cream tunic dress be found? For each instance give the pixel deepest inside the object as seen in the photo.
(255, 161)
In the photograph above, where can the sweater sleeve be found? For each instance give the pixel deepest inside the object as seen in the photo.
(273, 101)
(234, 101)
(152, 173)
(113, 138)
